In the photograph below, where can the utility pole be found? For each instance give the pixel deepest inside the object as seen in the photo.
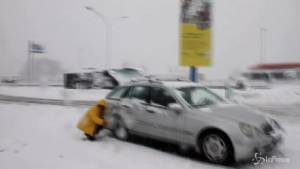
(263, 44)
(29, 64)
(108, 36)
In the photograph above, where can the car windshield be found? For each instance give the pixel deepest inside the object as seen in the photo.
(199, 96)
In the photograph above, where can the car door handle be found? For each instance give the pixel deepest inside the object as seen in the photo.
(126, 106)
(150, 111)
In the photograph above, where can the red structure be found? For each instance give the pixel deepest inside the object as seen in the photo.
(276, 66)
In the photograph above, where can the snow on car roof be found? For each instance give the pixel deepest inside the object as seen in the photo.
(178, 84)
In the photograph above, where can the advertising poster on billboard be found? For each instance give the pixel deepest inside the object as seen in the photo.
(195, 33)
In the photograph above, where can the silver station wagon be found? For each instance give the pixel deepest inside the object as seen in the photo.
(192, 116)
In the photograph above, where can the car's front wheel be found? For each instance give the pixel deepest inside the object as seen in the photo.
(120, 131)
(217, 148)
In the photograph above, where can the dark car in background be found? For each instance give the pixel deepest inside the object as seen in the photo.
(107, 79)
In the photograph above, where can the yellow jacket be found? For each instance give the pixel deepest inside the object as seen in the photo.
(93, 118)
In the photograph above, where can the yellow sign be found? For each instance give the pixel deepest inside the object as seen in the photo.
(195, 35)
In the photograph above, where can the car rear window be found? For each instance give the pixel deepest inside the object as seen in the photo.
(141, 93)
(118, 93)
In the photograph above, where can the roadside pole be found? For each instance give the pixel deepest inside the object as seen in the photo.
(29, 66)
(193, 74)
(33, 48)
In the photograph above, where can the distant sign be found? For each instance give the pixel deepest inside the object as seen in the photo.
(36, 48)
(195, 34)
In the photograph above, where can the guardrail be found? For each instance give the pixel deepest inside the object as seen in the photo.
(47, 101)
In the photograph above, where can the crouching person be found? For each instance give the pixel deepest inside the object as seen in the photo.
(93, 121)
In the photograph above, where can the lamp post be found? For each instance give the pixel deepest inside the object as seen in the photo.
(263, 44)
(108, 37)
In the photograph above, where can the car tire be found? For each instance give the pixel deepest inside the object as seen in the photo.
(216, 147)
(120, 131)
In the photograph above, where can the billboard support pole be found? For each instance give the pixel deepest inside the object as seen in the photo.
(193, 74)
(29, 66)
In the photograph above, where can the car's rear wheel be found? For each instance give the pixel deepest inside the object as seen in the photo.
(217, 148)
(120, 131)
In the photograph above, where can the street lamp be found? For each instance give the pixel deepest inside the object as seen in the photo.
(263, 44)
(108, 37)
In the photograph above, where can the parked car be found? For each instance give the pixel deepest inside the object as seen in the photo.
(9, 80)
(78, 80)
(264, 75)
(108, 79)
(191, 115)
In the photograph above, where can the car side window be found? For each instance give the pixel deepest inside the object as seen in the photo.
(140, 93)
(118, 93)
(162, 97)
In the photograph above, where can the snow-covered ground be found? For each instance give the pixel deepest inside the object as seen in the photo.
(36, 136)
(278, 94)
(282, 101)
(46, 92)
(45, 137)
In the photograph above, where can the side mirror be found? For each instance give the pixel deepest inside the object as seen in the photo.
(175, 107)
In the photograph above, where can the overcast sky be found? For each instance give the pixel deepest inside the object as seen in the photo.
(145, 33)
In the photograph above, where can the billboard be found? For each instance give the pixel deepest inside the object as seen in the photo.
(195, 33)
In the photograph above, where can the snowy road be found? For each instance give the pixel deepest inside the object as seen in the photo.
(34, 136)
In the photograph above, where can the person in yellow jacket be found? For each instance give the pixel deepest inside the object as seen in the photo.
(93, 120)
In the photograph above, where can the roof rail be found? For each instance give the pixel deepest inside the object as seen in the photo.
(174, 79)
(150, 80)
